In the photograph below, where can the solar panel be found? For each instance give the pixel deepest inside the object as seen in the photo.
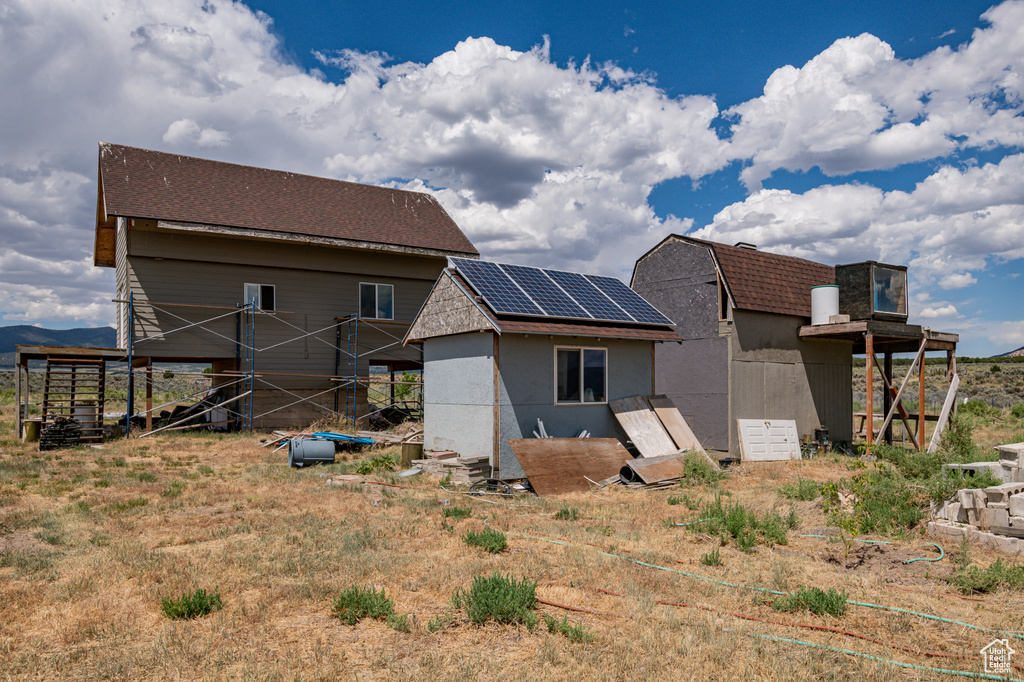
(536, 292)
(544, 292)
(588, 296)
(500, 292)
(629, 300)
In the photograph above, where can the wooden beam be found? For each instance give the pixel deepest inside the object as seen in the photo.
(17, 397)
(149, 395)
(869, 348)
(899, 394)
(920, 406)
(890, 391)
(947, 407)
(887, 396)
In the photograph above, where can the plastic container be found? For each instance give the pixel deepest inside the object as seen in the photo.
(824, 303)
(305, 451)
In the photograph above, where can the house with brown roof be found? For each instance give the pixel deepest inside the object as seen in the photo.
(739, 312)
(505, 345)
(296, 281)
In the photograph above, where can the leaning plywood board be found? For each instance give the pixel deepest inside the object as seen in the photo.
(643, 427)
(655, 469)
(561, 465)
(677, 427)
(768, 440)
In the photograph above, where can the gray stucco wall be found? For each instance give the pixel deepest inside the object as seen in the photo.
(458, 394)
(527, 365)
(680, 279)
(776, 375)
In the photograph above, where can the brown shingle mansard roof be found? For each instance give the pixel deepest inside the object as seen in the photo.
(140, 183)
(765, 282)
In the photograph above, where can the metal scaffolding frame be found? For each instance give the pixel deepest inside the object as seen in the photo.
(248, 379)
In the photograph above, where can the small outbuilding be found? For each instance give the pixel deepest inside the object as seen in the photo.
(505, 345)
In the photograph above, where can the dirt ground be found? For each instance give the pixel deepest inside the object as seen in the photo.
(92, 538)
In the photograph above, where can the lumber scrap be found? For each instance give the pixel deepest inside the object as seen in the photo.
(652, 470)
(677, 428)
(642, 425)
(560, 465)
(947, 407)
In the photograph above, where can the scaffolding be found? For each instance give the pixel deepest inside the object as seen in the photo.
(248, 377)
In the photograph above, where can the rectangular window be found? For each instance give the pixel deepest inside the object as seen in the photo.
(376, 301)
(581, 375)
(260, 295)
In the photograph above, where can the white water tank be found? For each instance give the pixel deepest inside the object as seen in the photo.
(824, 303)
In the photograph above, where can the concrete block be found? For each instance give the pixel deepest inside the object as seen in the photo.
(972, 516)
(980, 499)
(966, 498)
(993, 517)
(1002, 493)
(998, 505)
(961, 516)
(951, 511)
(1017, 504)
(1017, 522)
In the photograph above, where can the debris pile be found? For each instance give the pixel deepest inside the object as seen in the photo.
(463, 470)
(62, 432)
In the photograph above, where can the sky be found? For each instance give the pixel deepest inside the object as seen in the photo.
(569, 135)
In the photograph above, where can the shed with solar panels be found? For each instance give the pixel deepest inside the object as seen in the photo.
(505, 345)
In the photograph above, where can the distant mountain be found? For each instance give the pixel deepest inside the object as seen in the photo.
(94, 337)
(1013, 353)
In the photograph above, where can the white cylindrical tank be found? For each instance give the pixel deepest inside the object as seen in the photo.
(824, 303)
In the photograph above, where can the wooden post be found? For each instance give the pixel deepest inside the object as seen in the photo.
(496, 458)
(920, 406)
(886, 397)
(17, 399)
(869, 355)
(392, 385)
(951, 371)
(149, 394)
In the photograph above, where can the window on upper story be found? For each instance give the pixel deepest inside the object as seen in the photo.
(581, 375)
(376, 301)
(260, 295)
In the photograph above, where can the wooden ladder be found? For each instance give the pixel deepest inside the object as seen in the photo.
(75, 387)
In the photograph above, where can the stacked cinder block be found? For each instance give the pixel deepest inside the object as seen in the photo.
(1001, 506)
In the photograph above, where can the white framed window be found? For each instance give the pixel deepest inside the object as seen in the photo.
(376, 301)
(260, 295)
(581, 375)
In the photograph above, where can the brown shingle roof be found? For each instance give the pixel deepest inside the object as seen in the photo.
(768, 282)
(140, 183)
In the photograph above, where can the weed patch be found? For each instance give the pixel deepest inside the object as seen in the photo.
(698, 471)
(492, 540)
(574, 633)
(567, 514)
(356, 603)
(499, 598)
(802, 490)
(456, 512)
(971, 579)
(369, 466)
(813, 599)
(192, 605)
(129, 505)
(744, 527)
(173, 489)
(712, 558)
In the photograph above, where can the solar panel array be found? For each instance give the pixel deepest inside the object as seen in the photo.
(537, 292)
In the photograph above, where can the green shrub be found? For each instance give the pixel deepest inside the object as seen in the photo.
(399, 623)
(499, 598)
(574, 633)
(146, 477)
(129, 505)
(368, 466)
(456, 512)
(1017, 411)
(698, 471)
(491, 540)
(683, 499)
(971, 579)
(995, 368)
(173, 489)
(356, 603)
(743, 526)
(567, 514)
(440, 622)
(813, 599)
(192, 605)
(712, 558)
(974, 408)
(800, 490)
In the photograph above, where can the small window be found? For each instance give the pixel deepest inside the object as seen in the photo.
(581, 375)
(377, 301)
(260, 295)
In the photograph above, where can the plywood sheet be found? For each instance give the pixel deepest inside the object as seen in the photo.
(768, 440)
(674, 423)
(561, 465)
(642, 426)
(655, 469)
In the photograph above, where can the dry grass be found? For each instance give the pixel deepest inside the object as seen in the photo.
(83, 568)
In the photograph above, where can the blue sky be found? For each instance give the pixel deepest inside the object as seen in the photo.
(571, 135)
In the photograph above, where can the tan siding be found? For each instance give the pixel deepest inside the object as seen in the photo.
(121, 276)
(148, 240)
(448, 311)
